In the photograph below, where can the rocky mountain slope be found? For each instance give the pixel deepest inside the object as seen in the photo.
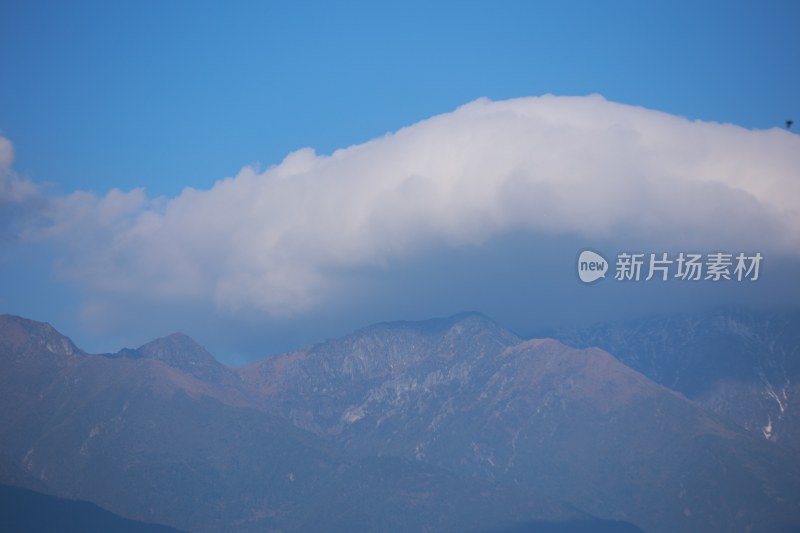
(466, 395)
(151, 436)
(741, 365)
(444, 425)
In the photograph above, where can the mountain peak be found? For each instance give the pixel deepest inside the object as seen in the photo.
(179, 351)
(174, 344)
(17, 333)
(463, 336)
(456, 331)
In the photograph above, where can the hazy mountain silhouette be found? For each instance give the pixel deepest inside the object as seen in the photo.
(742, 365)
(23, 510)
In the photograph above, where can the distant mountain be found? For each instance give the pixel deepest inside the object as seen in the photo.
(372, 373)
(20, 337)
(163, 433)
(148, 441)
(744, 366)
(23, 510)
(470, 397)
(180, 352)
(451, 424)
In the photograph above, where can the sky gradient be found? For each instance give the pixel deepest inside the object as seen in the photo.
(266, 175)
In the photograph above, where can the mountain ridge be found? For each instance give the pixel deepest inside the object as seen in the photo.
(456, 402)
(155, 443)
(181, 352)
(739, 365)
(18, 333)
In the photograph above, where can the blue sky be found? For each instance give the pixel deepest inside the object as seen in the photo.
(163, 96)
(171, 94)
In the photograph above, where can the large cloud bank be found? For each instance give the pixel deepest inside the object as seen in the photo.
(279, 240)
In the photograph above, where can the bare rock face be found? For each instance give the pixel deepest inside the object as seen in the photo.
(20, 337)
(577, 424)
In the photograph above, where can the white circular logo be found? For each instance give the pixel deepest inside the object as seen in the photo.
(591, 266)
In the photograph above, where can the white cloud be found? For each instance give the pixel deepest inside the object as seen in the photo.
(20, 199)
(277, 240)
(6, 154)
(13, 189)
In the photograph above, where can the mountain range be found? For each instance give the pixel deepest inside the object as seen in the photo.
(451, 424)
(740, 365)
